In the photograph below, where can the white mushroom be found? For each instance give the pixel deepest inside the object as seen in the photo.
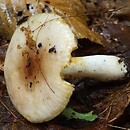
(99, 67)
(37, 60)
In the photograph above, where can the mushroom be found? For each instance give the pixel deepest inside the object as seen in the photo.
(99, 67)
(38, 60)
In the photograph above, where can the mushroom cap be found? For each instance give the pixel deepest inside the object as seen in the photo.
(39, 50)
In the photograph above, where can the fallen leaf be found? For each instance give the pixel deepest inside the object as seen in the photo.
(69, 113)
(3, 49)
(73, 12)
(76, 18)
(115, 103)
(14, 126)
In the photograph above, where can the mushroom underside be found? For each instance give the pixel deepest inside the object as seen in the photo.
(39, 58)
(33, 65)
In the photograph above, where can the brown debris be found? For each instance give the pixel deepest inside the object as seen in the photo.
(110, 100)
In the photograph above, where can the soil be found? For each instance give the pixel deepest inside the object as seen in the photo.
(110, 100)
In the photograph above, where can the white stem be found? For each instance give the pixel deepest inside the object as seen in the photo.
(100, 67)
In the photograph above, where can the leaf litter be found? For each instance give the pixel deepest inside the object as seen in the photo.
(109, 100)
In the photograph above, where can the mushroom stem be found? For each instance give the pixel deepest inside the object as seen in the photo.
(99, 67)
